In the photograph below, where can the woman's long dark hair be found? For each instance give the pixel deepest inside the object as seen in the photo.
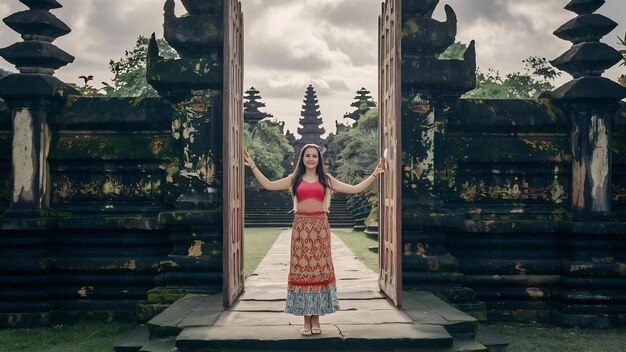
(300, 169)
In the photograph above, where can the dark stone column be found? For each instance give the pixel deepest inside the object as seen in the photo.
(586, 295)
(591, 100)
(193, 84)
(430, 87)
(34, 96)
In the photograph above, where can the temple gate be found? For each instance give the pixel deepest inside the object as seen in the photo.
(115, 208)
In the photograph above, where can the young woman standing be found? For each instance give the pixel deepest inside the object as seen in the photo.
(312, 290)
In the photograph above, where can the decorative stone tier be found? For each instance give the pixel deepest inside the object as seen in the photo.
(37, 25)
(176, 78)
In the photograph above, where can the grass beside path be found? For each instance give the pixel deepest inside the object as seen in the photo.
(359, 244)
(71, 338)
(527, 337)
(256, 242)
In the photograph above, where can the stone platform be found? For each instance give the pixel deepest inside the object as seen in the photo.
(367, 321)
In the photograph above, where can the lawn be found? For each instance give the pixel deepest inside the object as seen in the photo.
(359, 244)
(256, 242)
(525, 337)
(65, 338)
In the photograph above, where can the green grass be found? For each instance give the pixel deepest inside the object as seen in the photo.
(528, 337)
(65, 338)
(256, 242)
(359, 244)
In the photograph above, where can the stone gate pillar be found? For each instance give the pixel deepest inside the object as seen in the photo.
(194, 85)
(430, 89)
(591, 101)
(33, 96)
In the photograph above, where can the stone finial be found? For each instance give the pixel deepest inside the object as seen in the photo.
(198, 34)
(588, 58)
(42, 4)
(203, 7)
(38, 28)
(424, 8)
(581, 7)
(423, 41)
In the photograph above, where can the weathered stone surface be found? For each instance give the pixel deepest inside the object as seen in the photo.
(136, 113)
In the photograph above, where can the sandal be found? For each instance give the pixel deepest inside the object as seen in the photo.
(316, 331)
(306, 332)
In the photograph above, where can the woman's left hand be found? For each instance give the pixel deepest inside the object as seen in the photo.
(380, 168)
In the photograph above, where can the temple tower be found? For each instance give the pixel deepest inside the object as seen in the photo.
(311, 130)
(251, 106)
(362, 103)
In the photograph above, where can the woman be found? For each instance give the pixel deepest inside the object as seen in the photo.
(311, 285)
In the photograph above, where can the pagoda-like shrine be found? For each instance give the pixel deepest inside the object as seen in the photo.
(251, 106)
(311, 130)
(363, 102)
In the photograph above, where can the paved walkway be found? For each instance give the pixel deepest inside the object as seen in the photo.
(256, 321)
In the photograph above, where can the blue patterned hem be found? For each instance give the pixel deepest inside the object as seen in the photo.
(323, 302)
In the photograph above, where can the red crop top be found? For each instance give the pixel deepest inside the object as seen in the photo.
(308, 190)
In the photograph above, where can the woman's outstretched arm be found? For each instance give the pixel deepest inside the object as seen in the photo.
(277, 185)
(341, 187)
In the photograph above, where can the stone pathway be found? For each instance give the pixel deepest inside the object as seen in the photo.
(367, 320)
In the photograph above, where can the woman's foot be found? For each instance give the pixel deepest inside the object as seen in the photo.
(315, 325)
(306, 329)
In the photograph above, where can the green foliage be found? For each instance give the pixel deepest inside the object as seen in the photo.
(454, 52)
(129, 72)
(268, 147)
(63, 338)
(359, 149)
(622, 43)
(517, 85)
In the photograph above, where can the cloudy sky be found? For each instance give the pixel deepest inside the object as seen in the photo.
(331, 44)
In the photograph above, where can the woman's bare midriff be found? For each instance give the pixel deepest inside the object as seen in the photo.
(310, 205)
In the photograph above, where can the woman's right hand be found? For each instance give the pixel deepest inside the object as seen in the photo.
(247, 160)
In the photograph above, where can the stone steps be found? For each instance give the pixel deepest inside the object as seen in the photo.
(274, 209)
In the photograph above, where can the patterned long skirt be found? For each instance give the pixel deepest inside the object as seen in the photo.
(312, 289)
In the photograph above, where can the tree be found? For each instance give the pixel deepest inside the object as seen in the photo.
(536, 78)
(129, 72)
(268, 147)
(622, 43)
(359, 148)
